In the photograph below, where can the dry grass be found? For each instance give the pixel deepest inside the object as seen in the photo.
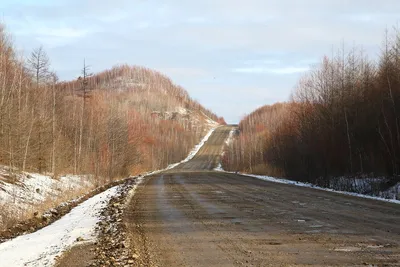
(10, 214)
(8, 217)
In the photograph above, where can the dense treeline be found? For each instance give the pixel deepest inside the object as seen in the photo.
(343, 119)
(246, 152)
(116, 123)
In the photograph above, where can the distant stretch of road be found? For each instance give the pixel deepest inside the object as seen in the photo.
(194, 216)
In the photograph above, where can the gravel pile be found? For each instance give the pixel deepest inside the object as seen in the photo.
(112, 247)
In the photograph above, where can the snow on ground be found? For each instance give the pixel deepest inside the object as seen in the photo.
(40, 248)
(194, 150)
(219, 168)
(229, 140)
(28, 189)
(210, 121)
(391, 192)
(364, 185)
(182, 111)
(357, 185)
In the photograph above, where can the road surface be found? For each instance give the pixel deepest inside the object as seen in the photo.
(193, 216)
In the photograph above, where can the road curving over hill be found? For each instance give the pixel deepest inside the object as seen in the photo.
(194, 216)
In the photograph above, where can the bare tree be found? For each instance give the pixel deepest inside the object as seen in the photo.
(53, 122)
(39, 64)
(84, 91)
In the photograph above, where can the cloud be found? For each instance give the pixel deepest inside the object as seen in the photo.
(278, 65)
(55, 36)
(61, 32)
(227, 45)
(276, 70)
(184, 72)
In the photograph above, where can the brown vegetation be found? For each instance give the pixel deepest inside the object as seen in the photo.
(343, 120)
(107, 124)
(117, 123)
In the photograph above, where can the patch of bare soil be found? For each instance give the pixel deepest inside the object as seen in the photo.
(83, 253)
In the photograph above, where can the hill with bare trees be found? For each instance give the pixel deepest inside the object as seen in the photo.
(121, 121)
(104, 126)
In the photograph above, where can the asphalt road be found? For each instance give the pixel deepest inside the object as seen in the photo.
(193, 216)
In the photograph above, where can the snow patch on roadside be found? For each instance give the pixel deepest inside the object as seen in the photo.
(22, 193)
(219, 168)
(31, 188)
(40, 248)
(366, 186)
(391, 192)
(387, 196)
(229, 140)
(210, 121)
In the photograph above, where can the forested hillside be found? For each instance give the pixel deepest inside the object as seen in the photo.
(343, 120)
(119, 122)
(246, 152)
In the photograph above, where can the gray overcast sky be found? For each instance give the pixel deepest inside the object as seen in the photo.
(232, 56)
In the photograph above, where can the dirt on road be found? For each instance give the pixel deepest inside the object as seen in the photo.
(193, 216)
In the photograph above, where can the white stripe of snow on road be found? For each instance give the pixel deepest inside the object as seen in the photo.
(194, 150)
(39, 249)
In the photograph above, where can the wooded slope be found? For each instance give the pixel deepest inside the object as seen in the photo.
(343, 120)
(119, 122)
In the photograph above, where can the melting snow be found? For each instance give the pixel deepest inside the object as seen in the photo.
(30, 189)
(229, 140)
(40, 248)
(388, 195)
(194, 150)
(219, 167)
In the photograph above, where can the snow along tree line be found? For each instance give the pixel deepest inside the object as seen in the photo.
(98, 124)
(343, 119)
